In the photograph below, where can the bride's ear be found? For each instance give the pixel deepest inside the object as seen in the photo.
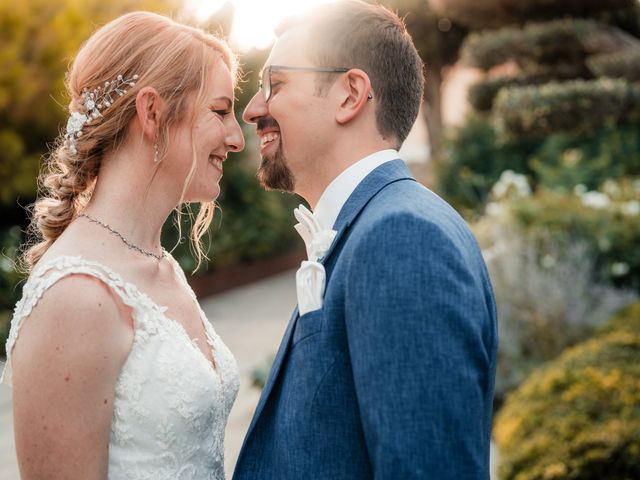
(149, 107)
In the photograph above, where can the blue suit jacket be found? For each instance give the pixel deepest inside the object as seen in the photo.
(393, 377)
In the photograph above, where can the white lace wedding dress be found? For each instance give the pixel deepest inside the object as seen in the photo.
(171, 406)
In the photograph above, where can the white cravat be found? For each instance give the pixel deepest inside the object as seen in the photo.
(315, 228)
(310, 277)
(317, 240)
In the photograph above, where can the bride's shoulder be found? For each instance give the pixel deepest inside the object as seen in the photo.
(67, 288)
(73, 317)
(73, 293)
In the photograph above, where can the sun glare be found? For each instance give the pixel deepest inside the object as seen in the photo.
(254, 20)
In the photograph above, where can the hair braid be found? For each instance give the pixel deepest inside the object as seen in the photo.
(65, 190)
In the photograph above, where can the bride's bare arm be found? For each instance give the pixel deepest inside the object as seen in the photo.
(66, 360)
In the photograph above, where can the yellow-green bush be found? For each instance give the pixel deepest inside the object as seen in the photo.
(578, 417)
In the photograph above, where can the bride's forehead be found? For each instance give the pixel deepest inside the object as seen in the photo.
(219, 80)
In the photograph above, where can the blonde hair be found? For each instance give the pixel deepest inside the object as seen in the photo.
(169, 56)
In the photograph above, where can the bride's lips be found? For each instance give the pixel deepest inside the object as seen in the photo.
(216, 161)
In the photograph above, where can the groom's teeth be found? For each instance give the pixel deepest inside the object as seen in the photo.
(268, 137)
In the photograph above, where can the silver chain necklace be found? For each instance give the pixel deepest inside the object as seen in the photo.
(132, 246)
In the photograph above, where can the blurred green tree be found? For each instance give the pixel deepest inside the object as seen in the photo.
(555, 68)
(438, 41)
(38, 39)
(493, 14)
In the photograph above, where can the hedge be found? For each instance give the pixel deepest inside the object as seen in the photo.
(496, 13)
(475, 157)
(624, 64)
(606, 221)
(578, 417)
(560, 41)
(482, 94)
(579, 106)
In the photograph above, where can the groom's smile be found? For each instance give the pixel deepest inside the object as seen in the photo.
(273, 171)
(268, 131)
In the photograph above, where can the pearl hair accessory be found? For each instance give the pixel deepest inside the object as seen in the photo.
(98, 99)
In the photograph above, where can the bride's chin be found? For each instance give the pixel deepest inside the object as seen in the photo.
(204, 197)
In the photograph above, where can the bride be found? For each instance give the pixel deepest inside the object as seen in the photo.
(116, 372)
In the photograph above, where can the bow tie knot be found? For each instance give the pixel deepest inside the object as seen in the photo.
(316, 239)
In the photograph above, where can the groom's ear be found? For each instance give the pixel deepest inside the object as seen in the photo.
(354, 93)
(149, 109)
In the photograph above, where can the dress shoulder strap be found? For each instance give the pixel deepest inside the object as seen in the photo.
(46, 275)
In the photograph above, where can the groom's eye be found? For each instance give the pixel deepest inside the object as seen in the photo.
(275, 84)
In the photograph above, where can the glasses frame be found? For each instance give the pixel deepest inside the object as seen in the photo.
(266, 86)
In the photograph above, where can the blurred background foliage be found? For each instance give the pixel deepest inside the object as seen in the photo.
(578, 417)
(545, 166)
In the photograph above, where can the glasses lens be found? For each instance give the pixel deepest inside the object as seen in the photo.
(265, 84)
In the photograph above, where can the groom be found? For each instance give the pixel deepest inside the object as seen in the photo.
(392, 376)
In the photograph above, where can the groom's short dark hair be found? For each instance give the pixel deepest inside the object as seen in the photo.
(355, 34)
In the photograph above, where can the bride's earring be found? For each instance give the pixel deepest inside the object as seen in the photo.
(155, 152)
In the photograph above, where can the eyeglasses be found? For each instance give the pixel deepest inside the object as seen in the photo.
(265, 81)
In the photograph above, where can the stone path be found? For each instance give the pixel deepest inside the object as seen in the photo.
(250, 319)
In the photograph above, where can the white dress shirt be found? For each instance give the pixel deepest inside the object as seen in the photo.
(336, 194)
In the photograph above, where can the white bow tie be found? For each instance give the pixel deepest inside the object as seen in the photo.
(310, 277)
(316, 239)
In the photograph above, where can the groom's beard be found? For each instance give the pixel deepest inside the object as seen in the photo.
(273, 173)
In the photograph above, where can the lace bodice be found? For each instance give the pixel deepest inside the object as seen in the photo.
(171, 406)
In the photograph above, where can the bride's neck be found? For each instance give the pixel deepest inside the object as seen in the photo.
(128, 198)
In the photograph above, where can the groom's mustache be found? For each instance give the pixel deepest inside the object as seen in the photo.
(267, 122)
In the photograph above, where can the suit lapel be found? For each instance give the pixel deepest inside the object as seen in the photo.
(382, 176)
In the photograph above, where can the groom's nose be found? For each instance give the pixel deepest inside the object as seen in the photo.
(255, 109)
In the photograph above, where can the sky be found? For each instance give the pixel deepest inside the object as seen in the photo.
(254, 20)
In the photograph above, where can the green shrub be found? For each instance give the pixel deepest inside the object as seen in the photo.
(624, 64)
(474, 159)
(606, 221)
(10, 286)
(482, 94)
(559, 41)
(578, 417)
(5, 323)
(577, 106)
(565, 160)
(546, 296)
(497, 13)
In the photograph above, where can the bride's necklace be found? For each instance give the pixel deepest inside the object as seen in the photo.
(129, 244)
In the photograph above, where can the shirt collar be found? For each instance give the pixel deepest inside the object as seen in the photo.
(336, 194)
